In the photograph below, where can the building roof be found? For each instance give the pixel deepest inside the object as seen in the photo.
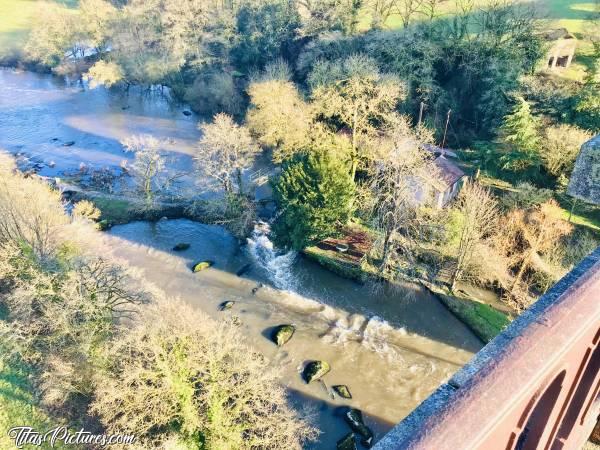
(437, 150)
(558, 33)
(448, 173)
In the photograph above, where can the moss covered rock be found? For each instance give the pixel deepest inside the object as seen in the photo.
(104, 225)
(348, 442)
(354, 418)
(199, 266)
(342, 390)
(226, 305)
(181, 246)
(282, 334)
(314, 370)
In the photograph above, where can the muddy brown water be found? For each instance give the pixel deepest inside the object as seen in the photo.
(391, 346)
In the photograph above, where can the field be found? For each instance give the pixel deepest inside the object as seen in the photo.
(571, 14)
(16, 20)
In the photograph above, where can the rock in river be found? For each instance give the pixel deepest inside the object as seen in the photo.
(355, 420)
(243, 270)
(181, 246)
(342, 390)
(226, 305)
(199, 266)
(187, 113)
(347, 442)
(315, 370)
(69, 143)
(282, 334)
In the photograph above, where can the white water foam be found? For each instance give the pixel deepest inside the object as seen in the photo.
(373, 333)
(276, 264)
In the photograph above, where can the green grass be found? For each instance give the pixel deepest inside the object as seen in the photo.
(16, 20)
(18, 406)
(571, 14)
(485, 321)
(113, 210)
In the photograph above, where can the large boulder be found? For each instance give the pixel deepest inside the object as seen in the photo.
(342, 390)
(348, 442)
(314, 370)
(282, 334)
(226, 305)
(354, 418)
(199, 266)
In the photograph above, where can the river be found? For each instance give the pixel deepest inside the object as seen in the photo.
(392, 346)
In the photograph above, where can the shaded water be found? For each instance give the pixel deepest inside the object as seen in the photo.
(392, 347)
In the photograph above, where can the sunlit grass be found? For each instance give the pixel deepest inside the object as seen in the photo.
(16, 20)
(570, 14)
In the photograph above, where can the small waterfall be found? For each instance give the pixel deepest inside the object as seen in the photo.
(276, 264)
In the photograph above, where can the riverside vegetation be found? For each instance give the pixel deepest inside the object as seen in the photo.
(334, 99)
(106, 351)
(345, 108)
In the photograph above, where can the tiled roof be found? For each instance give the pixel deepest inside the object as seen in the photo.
(448, 172)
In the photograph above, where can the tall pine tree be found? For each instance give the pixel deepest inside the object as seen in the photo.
(314, 194)
(520, 133)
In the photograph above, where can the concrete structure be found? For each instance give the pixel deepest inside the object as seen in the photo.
(537, 384)
(562, 50)
(585, 180)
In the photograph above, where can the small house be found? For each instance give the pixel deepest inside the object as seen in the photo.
(447, 182)
(562, 48)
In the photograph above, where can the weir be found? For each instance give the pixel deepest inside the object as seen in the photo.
(537, 384)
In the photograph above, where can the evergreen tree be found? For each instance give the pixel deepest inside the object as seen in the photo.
(520, 133)
(314, 194)
(588, 101)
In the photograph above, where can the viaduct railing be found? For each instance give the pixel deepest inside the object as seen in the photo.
(535, 386)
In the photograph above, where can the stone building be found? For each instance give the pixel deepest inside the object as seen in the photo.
(562, 50)
(585, 180)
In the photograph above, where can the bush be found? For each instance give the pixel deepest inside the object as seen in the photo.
(214, 91)
(193, 381)
(525, 196)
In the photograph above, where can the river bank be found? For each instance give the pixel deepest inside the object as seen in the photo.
(485, 320)
(391, 345)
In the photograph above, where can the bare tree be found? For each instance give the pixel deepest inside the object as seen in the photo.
(224, 151)
(381, 10)
(478, 212)
(30, 212)
(408, 9)
(178, 375)
(279, 115)
(148, 168)
(401, 172)
(354, 92)
(525, 236)
(430, 8)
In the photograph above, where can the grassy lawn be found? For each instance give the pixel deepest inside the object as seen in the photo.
(571, 14)
(16, 20)
(18, 406)
(113, 210)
